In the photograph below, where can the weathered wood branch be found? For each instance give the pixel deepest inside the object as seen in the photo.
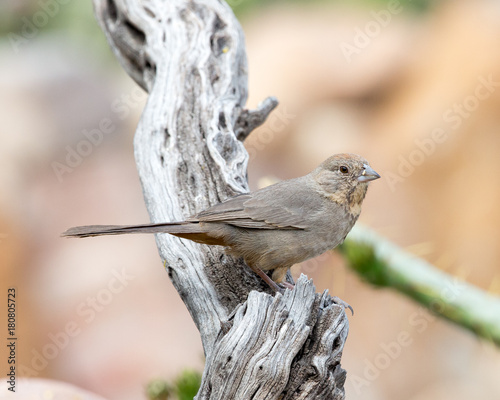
(251, 119)
(190, 57)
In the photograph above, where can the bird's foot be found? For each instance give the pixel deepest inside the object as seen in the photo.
(342, 303)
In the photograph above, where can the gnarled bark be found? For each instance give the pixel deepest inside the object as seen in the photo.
(190, 57)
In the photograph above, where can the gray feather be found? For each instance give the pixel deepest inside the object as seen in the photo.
(253, 210)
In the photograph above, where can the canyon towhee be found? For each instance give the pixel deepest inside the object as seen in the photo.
(278, 226)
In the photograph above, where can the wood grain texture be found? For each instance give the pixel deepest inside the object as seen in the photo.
(190, 57)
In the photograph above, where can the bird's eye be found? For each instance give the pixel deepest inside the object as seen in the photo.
(344, 169)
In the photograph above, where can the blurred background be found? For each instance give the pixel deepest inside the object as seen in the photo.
(413, 86)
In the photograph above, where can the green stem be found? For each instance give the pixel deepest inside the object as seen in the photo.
(384, 264)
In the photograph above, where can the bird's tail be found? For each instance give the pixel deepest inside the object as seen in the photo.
(174, 228)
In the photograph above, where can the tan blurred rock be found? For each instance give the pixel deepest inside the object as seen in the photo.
(46, 389)
(454, 87)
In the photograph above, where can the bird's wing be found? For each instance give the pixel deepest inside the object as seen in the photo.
(281, 206)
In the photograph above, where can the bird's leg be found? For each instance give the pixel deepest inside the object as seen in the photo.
(279, 275)
(265, 278)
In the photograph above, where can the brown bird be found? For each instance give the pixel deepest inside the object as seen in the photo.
(278, 226)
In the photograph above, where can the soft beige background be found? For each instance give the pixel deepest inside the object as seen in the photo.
(391, 96)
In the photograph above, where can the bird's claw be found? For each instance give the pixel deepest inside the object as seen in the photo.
(286, 285)
(342, 303)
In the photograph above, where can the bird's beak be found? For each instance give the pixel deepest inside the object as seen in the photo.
(368, 174)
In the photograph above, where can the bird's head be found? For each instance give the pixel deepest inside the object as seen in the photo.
(344, 179)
